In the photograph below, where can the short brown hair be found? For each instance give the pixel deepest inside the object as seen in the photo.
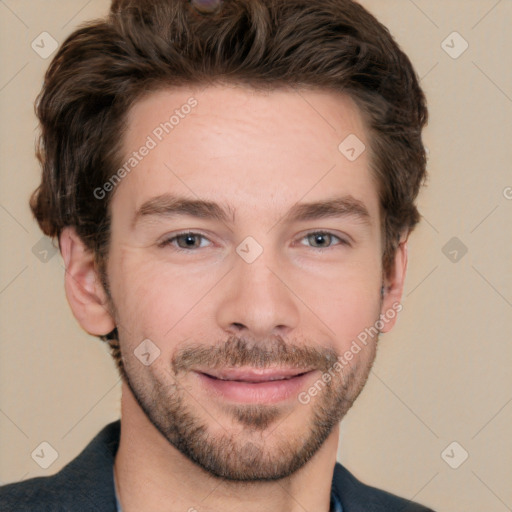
(106, 65)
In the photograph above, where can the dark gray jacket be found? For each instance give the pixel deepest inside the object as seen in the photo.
(86, 484)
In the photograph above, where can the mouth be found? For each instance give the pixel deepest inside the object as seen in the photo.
(254, 385)
(255, 375)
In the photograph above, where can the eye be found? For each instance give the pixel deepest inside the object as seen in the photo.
(185, 241)
(323, 240)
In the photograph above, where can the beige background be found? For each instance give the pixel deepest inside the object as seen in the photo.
(442, 375)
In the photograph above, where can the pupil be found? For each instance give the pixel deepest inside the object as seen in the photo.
(320, 239)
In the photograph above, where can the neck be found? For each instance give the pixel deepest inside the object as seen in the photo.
(152, 475)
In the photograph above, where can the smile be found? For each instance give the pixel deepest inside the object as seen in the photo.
(252, 385)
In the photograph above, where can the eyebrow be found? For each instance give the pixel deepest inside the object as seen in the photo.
(346, 206)
(169, 205)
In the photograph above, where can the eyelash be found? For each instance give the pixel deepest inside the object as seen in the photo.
(169, 241)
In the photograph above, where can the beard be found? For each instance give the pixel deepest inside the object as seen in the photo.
(262, 442)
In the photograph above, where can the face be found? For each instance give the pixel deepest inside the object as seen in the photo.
(245, 262)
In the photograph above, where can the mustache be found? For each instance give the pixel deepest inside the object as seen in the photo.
(239, 352)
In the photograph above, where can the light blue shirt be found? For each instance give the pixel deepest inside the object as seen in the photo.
(335, 503)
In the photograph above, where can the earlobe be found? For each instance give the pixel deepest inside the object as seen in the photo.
(84, 290)
(393, 286)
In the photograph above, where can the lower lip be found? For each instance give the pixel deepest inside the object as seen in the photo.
(268, 392)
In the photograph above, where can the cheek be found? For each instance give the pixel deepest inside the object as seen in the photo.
(169, 303)
(350, 313)
(157, 301)
(350, 303)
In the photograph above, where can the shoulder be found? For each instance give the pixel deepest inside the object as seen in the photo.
(356, 496)
(85, 483)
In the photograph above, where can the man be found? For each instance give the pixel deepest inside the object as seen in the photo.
(232, 185)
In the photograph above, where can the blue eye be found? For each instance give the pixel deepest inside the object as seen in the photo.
(190, 241)
(185, 241)
(323, 240)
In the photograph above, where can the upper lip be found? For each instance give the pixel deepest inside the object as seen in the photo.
(254, 374)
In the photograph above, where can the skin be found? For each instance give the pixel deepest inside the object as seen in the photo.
(256, 154)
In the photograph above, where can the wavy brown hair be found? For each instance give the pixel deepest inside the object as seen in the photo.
(106, 65)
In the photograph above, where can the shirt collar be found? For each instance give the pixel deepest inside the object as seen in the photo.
(335, 503)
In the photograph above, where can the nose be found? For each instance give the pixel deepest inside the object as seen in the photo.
(257, 301)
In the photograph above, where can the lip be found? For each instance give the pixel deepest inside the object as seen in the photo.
(255, 374)
(254, 385)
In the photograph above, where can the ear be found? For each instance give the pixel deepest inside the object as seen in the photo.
(84, 291)
(393, 286)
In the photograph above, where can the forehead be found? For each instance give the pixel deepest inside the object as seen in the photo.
(246, 147)
(311, 112)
